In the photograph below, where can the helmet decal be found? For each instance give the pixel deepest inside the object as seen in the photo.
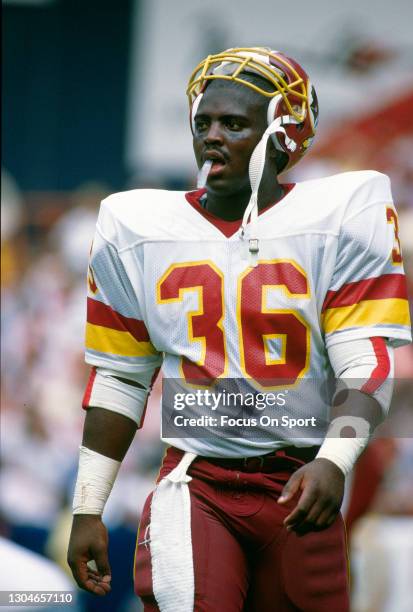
(312, 105)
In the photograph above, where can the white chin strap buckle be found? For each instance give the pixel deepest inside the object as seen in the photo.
(289, 143)
(253, 245)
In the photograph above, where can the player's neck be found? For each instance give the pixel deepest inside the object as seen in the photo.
(232, 207)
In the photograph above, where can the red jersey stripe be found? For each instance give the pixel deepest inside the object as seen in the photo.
(378, 288)
(382, 369)
(89, 387)
(101, 314)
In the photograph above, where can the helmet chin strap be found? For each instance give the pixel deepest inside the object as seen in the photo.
(256, 169)
(194, 108)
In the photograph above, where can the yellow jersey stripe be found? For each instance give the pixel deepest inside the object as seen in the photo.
(105, 340)
(392, 311)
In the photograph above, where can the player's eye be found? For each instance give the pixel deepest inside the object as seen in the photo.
(233, 124)
(200, 124)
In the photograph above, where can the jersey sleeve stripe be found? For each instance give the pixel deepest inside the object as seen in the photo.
(367, 313)
(122, 343)
(100, 314)
(89, 387)
(381, 287)
(382, 369)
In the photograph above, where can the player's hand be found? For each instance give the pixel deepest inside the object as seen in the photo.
(319, 487)
(88, 543)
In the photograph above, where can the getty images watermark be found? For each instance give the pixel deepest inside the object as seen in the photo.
(277, 409)
(224, 398)
(230, 399)
(233, 408)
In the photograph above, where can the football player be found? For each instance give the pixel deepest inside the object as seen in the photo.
(250, 280)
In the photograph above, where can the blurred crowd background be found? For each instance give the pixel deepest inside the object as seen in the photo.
(94, 102)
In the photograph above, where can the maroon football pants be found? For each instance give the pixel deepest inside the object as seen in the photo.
(244, 559)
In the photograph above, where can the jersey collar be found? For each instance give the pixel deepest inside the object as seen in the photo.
(228, 228)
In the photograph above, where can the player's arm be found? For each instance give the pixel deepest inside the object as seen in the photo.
(125, 364)
(364, 369)
(115, 403)
(107, 434)
(365, 312)
(106, 438)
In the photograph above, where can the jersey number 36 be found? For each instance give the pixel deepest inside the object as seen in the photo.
(258, 323)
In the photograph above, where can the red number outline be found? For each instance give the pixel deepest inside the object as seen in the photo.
(285, 285)
(265, 288)
(199, 289)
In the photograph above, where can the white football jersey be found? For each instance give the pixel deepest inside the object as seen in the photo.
(170, 285)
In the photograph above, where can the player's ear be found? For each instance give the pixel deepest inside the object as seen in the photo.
(272, 152)
(278, 157)
(281, 159)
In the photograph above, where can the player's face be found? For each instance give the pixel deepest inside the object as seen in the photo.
(229, 123)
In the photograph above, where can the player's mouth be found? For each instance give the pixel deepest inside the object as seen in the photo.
(218, 162)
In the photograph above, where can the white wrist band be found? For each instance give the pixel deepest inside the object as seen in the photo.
(94, 483)
(344, 452)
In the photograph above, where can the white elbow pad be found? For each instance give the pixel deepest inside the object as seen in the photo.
(105, 390)
(366, 365)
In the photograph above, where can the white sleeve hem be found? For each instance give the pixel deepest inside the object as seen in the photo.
(394, 337)
(113, 394)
